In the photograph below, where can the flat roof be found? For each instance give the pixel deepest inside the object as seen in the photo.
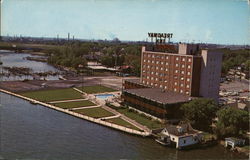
(137, 80)
(156, 94)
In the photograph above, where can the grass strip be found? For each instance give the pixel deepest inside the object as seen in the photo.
(122, 122)
(68, 105)
(96, 112)
(53, 95)
(95, 89)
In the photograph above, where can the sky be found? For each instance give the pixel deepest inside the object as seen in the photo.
(207, 21)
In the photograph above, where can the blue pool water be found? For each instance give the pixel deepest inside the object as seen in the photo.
(104, 96)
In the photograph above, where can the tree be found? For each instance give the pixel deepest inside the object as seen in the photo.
(200, 113)
(231, 122)
(247, 65)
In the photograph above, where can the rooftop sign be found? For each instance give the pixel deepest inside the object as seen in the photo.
(160, 38)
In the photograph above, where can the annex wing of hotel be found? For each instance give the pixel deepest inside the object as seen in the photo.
(172, 75)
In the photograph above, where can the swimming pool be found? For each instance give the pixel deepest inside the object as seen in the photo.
(104, 96)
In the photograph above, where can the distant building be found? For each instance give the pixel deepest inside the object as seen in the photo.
(187, 71)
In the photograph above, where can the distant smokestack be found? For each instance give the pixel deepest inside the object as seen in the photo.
(68, 36)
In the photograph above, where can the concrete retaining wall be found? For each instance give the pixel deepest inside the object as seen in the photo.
(98, 121)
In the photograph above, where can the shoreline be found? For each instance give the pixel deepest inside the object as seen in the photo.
(77, 115)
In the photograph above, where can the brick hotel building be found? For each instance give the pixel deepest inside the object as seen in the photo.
(170, 78)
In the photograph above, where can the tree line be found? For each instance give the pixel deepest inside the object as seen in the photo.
(203, 113)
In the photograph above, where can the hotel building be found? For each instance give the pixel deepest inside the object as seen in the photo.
(170, 78)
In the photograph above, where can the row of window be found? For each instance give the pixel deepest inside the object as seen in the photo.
(157, 68)
(166, 57)
(175, 83)
(164, 77)
(158, 62)
(165, 87)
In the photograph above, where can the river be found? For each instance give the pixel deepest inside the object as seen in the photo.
(35, 132)
(11, 59)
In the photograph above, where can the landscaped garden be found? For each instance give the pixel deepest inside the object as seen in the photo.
(53, 95)
(96, 89)
(96, 112)
(68, 105)
(122, 122)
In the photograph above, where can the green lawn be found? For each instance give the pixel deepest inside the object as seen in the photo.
(68, 105)
(151, 124)
(96, 89)
(53, 95)
(96, 112)
(122, 122)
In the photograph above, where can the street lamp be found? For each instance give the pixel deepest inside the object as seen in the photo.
(81, 68)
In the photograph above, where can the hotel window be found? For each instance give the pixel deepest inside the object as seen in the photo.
(148, 61)
(156, 73)
(175, 83)
(152, 84)
(148, 66)
(157, 62)
(156, 84)
(165, 87)
(162, 62)
(175, 89)
(183, 59)
(160, 86)
(181, 84)
(176, 71)
(156, 79)
(153, 56)
(152, 78)
(177, 58)
(188, 79)
(166, 57)
(152, 72)
(189, 66)
(183, 66)
(165, 81)
(182, 78)
(166, 69)
(182, 72)
(149, 55)
(181, 91)
(161, 68)
(143, 71)
(144, 60)
(143, 81)
(162, 57)
(147, 77)
(153, 61)
(166, 63)
(189, 73)
(147, 83)
(157, 68)
(189, 59)
(187, 92)
(187, 86)
(176, 64)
